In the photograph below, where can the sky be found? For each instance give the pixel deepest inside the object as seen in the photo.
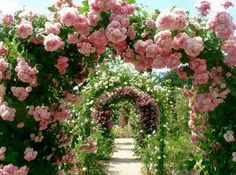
(40, 6)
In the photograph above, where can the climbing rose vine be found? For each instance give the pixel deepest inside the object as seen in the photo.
(44, 57)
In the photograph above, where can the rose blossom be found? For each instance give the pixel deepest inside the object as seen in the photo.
(40, 113)
(52, 42)
(173, 60)
(99, 40)
(229, 136)
(6, 112)
(3, 50)
(8, 20)
(165, 42)
(30, 154)
(81, 25)
(180, 40)
(194, 46)
(150, 23)
(115, 32)
(203, 6)
(207, 102)
(222, 24)
(54, 28)
(72, 38)
(24, 29)
(2, 153)
(129, 55)
(159, 62)
(20, 92)
(85, 47)
(25, 73)
(62, 64)
(228, 3)
(172, 20)
(93, 18)
(131, 33)
(68, 16)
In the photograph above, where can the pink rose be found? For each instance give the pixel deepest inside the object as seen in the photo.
(62, 64)
(229, 136)
(3, 50)
(72, 38)
(203, 6)
(30, 154)
(99, 40)
(52, 42)
(8, 20)
(228, 3)
(173, 60)
(93, 18)
(150, 23)
(25, 73)
(131, 33)
(20, 92)
(82, 26)
(194, 46)
(85, 47)
(159, 62)
(24, 29)
(129, 55)
(180, 40)
(68, 16)
(7, 113)
(222, 24)
(115, 32)
(2, 153)
(54, 28)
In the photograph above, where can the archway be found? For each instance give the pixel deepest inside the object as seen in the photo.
(147, 106)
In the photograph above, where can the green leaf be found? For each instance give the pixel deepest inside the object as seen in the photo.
(52, 9)
(131, 1)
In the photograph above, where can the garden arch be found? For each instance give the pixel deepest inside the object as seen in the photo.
(147, 106)
(47, 57)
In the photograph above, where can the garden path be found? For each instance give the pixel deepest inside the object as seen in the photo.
(123, 161)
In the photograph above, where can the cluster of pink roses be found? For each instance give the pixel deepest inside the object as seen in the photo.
(229, 47)
(11, 169)
(176, 19)
(207, 102)
(42, 115)
(222, 24)
(200, 71)
(20, 92)
(203, 6)
(25, 73)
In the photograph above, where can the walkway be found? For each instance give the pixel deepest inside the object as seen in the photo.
(124, 162)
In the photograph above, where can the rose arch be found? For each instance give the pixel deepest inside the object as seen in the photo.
(147, 106)
(43, 58)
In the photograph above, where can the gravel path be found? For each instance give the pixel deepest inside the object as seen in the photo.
(124, 162)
